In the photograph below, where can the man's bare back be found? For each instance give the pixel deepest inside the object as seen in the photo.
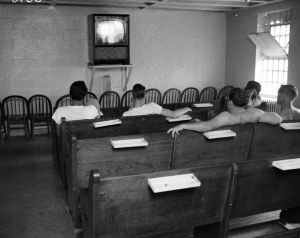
(290, 114)
(236, 114)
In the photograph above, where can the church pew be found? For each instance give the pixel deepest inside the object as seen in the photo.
(126, 206)
(274, 141)
(194, 149)
(263, 188)
(99, 154)
(84, 129)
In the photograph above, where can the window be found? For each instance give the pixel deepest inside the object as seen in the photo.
(274, 70)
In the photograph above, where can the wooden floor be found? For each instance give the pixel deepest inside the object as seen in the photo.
(33, 203)
(32, 200)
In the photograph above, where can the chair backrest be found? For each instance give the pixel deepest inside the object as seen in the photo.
(109, 99)
(190, 95)
(172, 95)
(224, 92)
(208, 94)
(15, 107)
(153, 214)
(63, 101)
(40, 106)
(89, 96)
(153, 95)
(127, 98)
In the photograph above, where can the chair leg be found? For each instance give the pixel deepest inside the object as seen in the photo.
(49, 128)
(8, 130)
(32, 128)
(25, 128)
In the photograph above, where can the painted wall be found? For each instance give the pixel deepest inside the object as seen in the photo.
(43, 51)
(241, 52)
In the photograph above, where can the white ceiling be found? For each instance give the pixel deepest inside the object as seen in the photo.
(196, 5)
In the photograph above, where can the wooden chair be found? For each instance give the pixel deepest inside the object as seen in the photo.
(224, 92)
(190, 95)
(15, 112)
(127, 99)
(127, 207)
(170, 96)
(63, 101)
(2, 125)
(208, 94)
(89, 96)
(109, 99)
(153, 95)
(40, 111)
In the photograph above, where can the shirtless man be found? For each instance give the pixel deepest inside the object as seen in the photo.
(236, 114)
(140, 108)
(285, 98)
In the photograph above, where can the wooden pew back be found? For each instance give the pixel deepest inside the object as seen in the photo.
(194, 149)
(99, 154)
(127, 207)
(272, 140)
(263, 188)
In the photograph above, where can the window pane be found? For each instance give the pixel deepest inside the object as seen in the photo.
(277, 30)
(286, 65)
(272, 31)
(287, 29)
(275, 65)
(285, 77)
(281, 64)
(270, 64)
(280, 77)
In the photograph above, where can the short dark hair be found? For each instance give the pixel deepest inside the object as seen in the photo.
(253, 85)
(78, 90)
(239, 97)
(138, 91)
(290, 90)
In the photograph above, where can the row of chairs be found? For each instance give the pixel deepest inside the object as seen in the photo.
(17, 111)
(111, 99)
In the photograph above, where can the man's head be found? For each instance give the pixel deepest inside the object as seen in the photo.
(78, 90)
(138, 91)
(251, 85)
(287, 93)
(239, 97)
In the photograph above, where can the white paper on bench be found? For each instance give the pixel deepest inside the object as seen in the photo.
(290, 126)
(287, 164)
(219, 134)
(203, 105)
(182, 118)
(107, 123)
(176, 182)
(129, 143)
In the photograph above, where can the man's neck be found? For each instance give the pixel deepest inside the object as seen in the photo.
(286, 105)
(76, 103)
(138, 103)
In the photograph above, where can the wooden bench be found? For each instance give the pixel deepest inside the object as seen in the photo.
(99, 154)
(84, 129)
(127, 207)
(194, 149)
(274, 141)
(263, 188)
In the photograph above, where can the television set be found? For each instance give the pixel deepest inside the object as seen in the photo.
(108, 39)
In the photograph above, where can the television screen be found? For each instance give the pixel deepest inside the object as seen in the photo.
(111, 31)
